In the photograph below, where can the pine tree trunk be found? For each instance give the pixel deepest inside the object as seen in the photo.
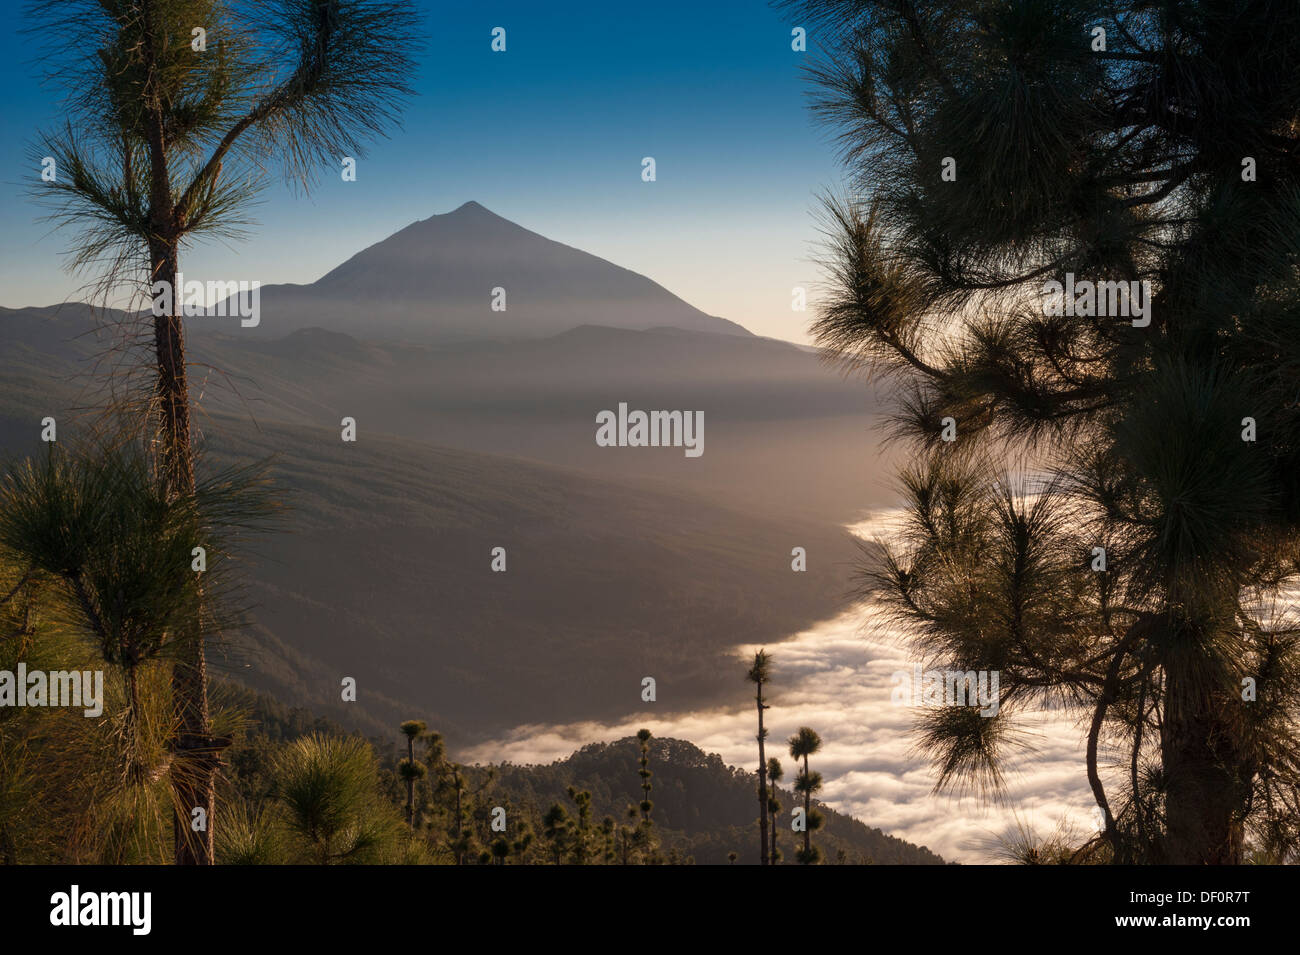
(197, 752)
(807, 811)
(762, 780)
(1200, 762)
(772, 854)
(410, 783)
(460, 851)
(136, 767)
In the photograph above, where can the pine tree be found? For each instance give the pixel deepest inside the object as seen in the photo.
(500, 850)
(461, 840)
(802, 745)
(644, 835)
(166, 143)
(1072, 242)
(759, 674)
(556, 828)
(643, 738)
(581, 836)
(774, 775)
(609, 836)
(328, 787)
(410, 768)
(522, 842)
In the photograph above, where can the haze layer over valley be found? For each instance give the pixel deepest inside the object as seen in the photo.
(476, 430)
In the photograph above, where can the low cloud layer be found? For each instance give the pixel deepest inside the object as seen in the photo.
(836, 678)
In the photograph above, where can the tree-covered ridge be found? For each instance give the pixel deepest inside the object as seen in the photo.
(703, 809)
(706, 805)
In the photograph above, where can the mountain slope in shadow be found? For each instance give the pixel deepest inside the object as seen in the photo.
(387, 576)
(384, 571)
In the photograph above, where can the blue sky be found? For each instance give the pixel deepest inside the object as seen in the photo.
(549, 134)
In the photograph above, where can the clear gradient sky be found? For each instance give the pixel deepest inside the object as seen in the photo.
(549, 134)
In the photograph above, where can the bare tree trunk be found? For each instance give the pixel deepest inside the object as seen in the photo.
(762, 779)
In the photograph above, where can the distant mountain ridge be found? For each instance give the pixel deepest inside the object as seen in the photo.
(437, 280)
(784, 432)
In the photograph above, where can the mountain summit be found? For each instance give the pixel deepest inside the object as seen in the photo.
(471, 274)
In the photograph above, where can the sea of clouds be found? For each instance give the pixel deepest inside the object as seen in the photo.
(836, 678)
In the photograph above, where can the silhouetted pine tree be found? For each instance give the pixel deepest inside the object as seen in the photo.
(581, 836)
(643, 737)
(556, 827)
(410, 768)
(774, 774)
(645, 837)
(460, 835)
(802, 745)
(500, 849)
(759, 674)
(1073, 242)
(522, 841)
(609, 836)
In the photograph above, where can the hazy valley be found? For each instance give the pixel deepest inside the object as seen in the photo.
(622, 562)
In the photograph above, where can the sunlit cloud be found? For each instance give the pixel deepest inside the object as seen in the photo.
(835, 677)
